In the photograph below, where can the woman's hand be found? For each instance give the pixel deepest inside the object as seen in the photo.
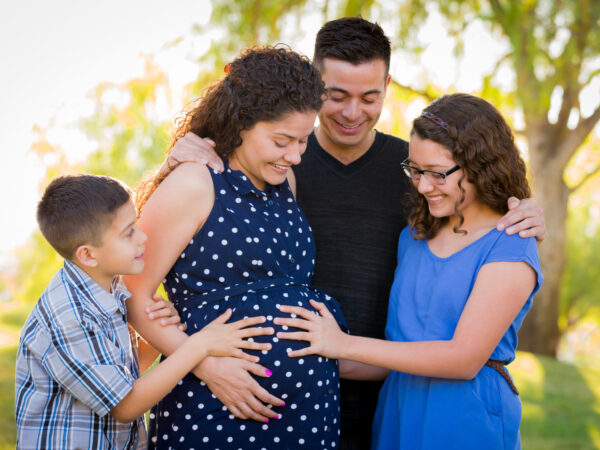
(165, 311)
(231, 381)
(322, 330)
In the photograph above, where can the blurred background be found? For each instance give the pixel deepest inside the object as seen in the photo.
(96, 86)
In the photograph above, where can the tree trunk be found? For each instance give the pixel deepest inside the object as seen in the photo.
(540, 332)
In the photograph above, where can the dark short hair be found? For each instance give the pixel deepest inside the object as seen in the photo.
(482, 144)
(76, 210)
(263, 84)
(352, 39)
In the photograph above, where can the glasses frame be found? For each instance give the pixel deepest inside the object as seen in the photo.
(407, 168)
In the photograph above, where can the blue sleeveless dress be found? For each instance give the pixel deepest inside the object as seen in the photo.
(426, 300)
(254, 252)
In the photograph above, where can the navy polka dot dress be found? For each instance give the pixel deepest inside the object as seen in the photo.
(254, 252)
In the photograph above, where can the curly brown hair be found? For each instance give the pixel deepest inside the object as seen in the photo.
(262, 84)
(482, 144)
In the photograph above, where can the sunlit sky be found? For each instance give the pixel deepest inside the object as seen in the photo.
(53, 53)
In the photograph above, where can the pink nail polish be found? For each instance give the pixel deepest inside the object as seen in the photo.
(282, 404)
(268, 372)
(266, 420)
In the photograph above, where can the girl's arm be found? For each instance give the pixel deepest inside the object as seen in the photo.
(500, 291)
(352, 370)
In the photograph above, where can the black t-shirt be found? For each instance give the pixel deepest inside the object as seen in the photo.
(356, 212)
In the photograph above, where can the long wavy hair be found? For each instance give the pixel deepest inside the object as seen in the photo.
(262, 84)
(482, 144)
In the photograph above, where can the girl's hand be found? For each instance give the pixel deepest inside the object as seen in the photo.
(165, 311)
(322, 330)
(227, 339)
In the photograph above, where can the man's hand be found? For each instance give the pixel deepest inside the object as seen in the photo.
(191, 148)
(230, 381)
(524, 217)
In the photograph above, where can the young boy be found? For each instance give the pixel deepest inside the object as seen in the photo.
(77, 371)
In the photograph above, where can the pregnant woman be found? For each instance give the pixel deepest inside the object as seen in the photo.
(238, 240)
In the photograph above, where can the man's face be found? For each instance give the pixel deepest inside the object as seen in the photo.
(353, 105)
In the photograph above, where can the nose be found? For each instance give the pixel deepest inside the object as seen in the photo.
(423, 185)
(143, 237)
(294, 154)
(351, 110)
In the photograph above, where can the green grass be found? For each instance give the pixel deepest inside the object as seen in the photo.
(561, 402)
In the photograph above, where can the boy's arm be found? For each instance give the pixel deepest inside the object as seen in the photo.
(154, 385)
(217, 339)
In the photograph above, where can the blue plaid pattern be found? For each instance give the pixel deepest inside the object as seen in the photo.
(75, 362)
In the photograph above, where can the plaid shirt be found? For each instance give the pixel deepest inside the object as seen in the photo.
(75, 362)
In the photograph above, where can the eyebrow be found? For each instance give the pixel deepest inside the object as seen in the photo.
(343, 91)
(289, 136)
(426, 167)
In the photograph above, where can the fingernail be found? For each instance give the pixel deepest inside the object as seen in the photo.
(282, 404)
(266, 420)
(500, 227)
(151, 316)
(278, 416)
(268, 372)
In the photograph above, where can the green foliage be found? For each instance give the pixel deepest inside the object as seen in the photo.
(581, 282)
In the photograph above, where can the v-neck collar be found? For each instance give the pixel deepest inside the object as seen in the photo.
(347, 169)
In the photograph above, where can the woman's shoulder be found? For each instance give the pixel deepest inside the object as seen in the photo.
(190, 179)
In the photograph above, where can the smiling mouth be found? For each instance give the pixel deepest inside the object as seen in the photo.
(277, 166)
(348, 126)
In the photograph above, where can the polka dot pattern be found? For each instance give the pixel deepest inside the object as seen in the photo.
(254, 253)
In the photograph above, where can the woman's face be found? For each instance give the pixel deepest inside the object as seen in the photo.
(270, 149)
(425, 154)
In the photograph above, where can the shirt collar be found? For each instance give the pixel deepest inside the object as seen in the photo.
(243, 186)
(107, 300)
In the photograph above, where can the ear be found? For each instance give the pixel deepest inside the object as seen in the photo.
(388, 80)
(86, 256)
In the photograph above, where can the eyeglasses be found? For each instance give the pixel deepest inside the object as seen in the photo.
(432, 176)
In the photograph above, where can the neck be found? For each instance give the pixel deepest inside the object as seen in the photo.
(478, 217)
(344, 154)
(103, 280)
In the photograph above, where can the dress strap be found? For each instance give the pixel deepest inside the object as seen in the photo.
(498, 366)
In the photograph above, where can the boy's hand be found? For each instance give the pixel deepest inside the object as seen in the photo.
(322, 330)
(191, 148)
(524, 217)
(165, 311)
(227, 339)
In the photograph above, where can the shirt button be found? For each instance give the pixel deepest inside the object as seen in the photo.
(270, 202)
(327, 428)
(292, 260)
(330, 391)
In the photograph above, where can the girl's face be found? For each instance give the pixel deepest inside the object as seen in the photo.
(425, 154)
(270, 149)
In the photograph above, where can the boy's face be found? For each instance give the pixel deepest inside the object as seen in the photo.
(354, 102)
(122, 249)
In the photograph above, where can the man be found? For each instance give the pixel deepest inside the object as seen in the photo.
(352, 190)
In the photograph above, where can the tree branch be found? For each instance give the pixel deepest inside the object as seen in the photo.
(594, 74)
(585, 179)
(423, 93)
